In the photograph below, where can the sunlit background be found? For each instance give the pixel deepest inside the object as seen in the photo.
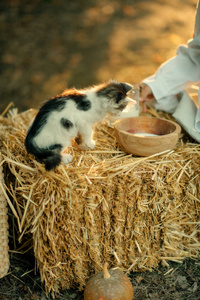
(47, 46)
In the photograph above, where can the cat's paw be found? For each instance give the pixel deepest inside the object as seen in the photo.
(91, 144)
(66, 158)
(86, 146)
(83, 146)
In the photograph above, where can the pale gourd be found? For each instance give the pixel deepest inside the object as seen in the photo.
(109, 285)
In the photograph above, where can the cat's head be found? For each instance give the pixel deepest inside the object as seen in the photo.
(114, 96)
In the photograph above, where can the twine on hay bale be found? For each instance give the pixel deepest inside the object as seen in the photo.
(106, 205)
(4, 256)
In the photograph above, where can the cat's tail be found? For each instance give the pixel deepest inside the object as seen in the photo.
(51, 156)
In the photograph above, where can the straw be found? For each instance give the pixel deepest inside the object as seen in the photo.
(106, 205)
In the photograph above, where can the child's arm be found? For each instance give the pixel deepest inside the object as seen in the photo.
(178, 73)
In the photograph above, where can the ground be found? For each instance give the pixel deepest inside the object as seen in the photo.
(50, 45)
(178, 282)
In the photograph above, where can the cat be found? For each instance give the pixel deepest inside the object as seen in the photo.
(71, 115)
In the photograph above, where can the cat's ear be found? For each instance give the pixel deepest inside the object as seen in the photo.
(127, 87)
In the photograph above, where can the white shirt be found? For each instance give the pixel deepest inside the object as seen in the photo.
(178, 73)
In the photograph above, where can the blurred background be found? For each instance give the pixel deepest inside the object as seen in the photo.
(47, 46)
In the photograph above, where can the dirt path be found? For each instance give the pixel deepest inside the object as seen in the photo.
(47, 46)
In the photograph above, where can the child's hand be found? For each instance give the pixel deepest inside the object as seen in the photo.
(145, 95)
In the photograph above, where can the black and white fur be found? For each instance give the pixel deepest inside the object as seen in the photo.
(71, 115)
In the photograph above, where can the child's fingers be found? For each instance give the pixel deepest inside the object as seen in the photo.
(145, 92)
(144, 107)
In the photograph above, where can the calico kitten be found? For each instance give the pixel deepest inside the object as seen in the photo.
(71, 115)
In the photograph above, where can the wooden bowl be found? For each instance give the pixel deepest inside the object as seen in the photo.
(131, 134)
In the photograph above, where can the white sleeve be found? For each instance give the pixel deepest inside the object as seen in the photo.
(178, 73)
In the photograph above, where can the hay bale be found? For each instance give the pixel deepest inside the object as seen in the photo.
(105, 206)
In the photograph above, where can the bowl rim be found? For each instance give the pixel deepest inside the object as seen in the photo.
(176, 131)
